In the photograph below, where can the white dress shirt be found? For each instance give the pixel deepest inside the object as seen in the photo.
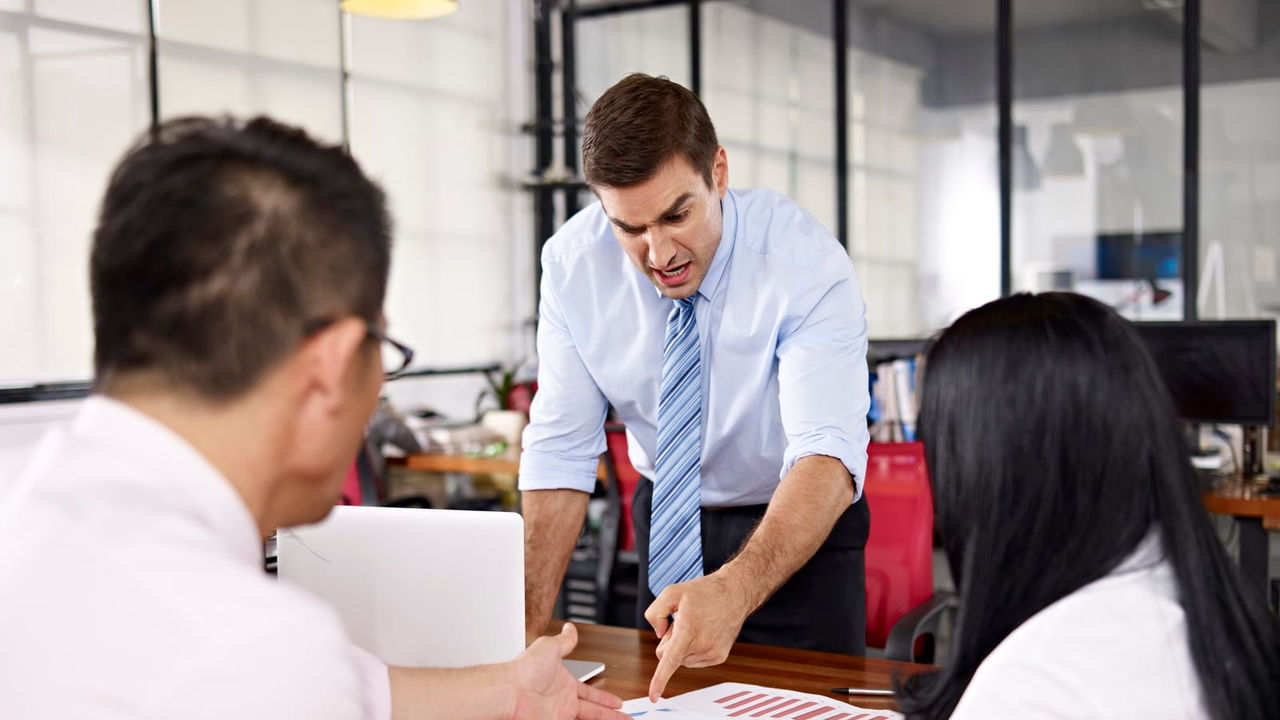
(1115, 648)
(783, 333)
(131, 586)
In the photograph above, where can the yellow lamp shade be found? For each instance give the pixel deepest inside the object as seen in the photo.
(400, 9)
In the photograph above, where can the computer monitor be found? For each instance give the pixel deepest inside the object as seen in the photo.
(1217, 372)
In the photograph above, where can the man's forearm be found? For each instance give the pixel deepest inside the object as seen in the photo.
(807, 504)
(485, 692)
(552, 522)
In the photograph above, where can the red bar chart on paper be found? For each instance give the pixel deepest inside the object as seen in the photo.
(735, 700)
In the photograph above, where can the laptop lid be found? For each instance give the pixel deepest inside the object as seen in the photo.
(417, 588)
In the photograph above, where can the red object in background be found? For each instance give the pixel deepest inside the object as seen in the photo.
(351, 494)
(899, 553)
(616, 436)
(521, 396)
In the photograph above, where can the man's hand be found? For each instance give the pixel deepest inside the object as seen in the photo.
(544, 689)
(709, 614)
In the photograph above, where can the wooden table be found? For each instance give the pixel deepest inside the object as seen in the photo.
(630, 663)
(1254, 515)
(506, 464)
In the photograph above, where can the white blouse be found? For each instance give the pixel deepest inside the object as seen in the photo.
(1115, 648)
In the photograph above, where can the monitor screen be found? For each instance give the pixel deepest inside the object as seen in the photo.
(1217, 372)
(1149, 256)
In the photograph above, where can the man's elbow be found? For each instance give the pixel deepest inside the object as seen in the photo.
(833, 474)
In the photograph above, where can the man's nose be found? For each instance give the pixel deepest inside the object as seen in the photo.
(661, 248)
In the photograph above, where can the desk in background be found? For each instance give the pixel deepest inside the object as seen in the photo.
(506, 464)
(1254, 514)
(630, 663)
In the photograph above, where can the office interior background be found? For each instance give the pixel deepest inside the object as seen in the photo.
(461, 119)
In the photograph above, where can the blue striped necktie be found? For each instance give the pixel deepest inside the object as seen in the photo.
(675, 530)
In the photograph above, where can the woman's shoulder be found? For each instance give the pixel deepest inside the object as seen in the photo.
(1116, 647)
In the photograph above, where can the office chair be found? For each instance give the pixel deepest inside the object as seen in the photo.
(903, 612)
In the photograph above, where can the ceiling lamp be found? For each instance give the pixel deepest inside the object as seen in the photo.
(400, 9)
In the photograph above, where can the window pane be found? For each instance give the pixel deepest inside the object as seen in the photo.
(924, 200)
(124, 15)
(1097, 154)
(235, 57)
(768, 84)
(1239, 161)
(53, 168)
(429, 106)
(612, 46)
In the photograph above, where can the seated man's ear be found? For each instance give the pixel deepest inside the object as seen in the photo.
(327, 359)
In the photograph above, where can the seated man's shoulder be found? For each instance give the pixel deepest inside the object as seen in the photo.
(162, 630)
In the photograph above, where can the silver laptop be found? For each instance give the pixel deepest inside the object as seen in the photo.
(419, 588)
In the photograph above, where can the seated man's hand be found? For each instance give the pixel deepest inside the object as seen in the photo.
(544, 689)
(708, 615)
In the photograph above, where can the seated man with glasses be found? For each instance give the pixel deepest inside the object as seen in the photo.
(238, 274)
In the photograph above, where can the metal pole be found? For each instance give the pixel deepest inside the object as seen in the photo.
(569, 79)
(1190, 158)
(153, 66)
(344, 64)
(1004, 133)
(544, 67)
(695, 47)
(840, 25)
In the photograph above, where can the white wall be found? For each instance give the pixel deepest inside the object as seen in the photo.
(436, 107)
(71, 98)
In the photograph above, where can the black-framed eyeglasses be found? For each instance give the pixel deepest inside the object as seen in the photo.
(395, 360)
(393, 363)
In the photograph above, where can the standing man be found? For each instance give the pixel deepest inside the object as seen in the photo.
(729, 332)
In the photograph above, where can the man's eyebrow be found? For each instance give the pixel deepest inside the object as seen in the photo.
(670, 210)
(676, 205)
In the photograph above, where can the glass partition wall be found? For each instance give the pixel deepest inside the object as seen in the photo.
(1097, 154)
(994, 146)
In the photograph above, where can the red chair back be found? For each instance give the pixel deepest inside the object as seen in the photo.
(899, 553)
(351, 494)
(628, 477)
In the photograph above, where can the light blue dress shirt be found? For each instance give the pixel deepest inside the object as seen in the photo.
(783, 330)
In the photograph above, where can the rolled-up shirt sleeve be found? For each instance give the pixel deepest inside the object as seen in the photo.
(822, 369)
(565, 435)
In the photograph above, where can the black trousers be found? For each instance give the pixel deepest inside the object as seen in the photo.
(822, 607)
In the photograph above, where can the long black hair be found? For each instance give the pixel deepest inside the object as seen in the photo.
(1053, 450)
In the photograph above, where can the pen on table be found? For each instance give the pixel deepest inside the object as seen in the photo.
(862, 691)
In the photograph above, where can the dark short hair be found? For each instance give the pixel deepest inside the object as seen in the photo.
(638, 125)
(220, 242)
(1053, 450)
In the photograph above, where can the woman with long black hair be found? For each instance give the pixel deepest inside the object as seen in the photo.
(1091, 582)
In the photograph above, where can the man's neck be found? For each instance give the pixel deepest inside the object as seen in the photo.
(239, 438)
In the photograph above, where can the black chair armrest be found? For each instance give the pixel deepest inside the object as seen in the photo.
(919, 620)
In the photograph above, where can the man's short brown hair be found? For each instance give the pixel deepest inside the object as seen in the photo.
(638, 125)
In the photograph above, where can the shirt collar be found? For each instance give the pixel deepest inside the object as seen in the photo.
(190, 484)
(728, 232)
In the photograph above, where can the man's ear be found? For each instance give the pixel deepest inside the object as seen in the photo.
(326, 357)
(720, 171)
